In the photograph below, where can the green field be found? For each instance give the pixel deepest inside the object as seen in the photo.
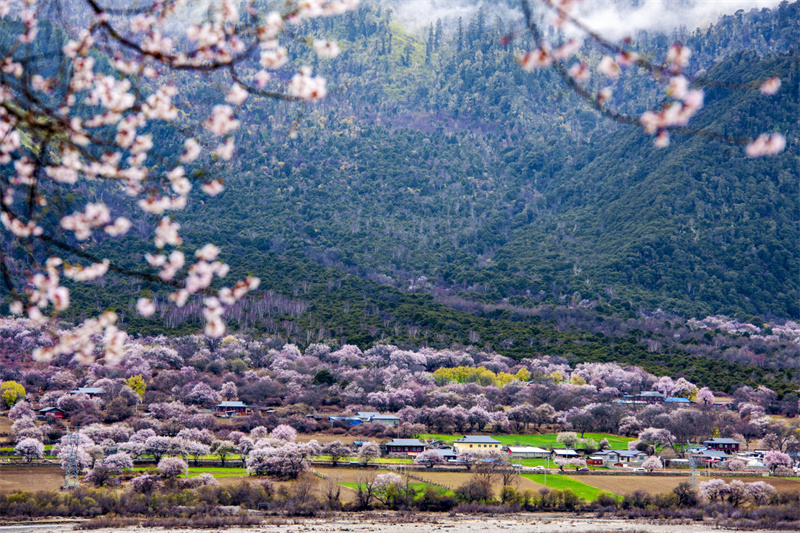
(381, 460)
(215, 471)
(550, 464)
(557, 481)
(420, 488)
(541, 441)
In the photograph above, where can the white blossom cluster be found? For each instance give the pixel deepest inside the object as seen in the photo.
(684, 103)
(93, 121)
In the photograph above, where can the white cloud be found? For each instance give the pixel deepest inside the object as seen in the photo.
(613, 18)
(619, 19)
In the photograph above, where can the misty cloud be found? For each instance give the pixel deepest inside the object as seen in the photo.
(619, 19)
(613, 18)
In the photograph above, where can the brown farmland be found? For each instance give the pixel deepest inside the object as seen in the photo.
(30, 478)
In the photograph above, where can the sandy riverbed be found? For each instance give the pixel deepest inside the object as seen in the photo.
(424, 523)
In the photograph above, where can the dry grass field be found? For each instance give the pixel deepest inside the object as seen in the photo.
(31, 478)
(456, 479)
(5, 425)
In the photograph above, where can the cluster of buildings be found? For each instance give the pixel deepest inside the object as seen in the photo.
(485, 444)
(652, 396)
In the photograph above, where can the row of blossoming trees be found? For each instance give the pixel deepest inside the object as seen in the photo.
(155, 402)
(80, 106)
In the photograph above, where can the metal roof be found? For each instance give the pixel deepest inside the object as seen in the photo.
(477, 439)
(569, 453)
(405, 442)
(717, 454)
(719, 440)
(622, 453)
(231, 404)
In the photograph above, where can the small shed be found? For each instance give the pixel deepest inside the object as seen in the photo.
(52, 411)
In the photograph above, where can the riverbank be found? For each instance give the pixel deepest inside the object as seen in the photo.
(422, 523)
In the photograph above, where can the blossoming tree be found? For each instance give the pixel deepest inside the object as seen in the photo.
(559, 34)
(81, 117)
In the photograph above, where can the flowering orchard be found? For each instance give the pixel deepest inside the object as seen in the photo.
(82, 115)
(80, 105)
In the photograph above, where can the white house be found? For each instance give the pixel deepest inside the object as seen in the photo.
(617, 458)
(477, 443)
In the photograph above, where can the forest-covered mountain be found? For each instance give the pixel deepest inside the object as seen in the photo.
(442, 196)
(438, 162)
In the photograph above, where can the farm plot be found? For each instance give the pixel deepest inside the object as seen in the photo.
(453, 480)
(348, 475)
(781, 484)
(545, 440)
(561, 482)
(346, 495)
(623, 485)
(30, 478)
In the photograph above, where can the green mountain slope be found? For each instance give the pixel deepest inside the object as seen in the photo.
(448, 162)
(698, 226)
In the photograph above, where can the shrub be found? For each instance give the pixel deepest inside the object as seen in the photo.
(686, 494)
(479, 488)
(433, 500)
(172, 467)
(145, 484)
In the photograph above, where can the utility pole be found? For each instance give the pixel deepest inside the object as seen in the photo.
(72, 465)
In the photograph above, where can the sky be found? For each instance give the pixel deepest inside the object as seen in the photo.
(613, 18)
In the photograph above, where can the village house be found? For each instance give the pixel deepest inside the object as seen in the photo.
(53, 411)
(407, 446)
(476, 443)
(617, 458)
(230, 408)
(641, 398)
(710, 456)
(528, 452)
(389, 420)
(722, 444)
(374, 416)
(650, 396)
(564, 454)
(92, 392)
(677, 402)
(448, 454)
(346, 420)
